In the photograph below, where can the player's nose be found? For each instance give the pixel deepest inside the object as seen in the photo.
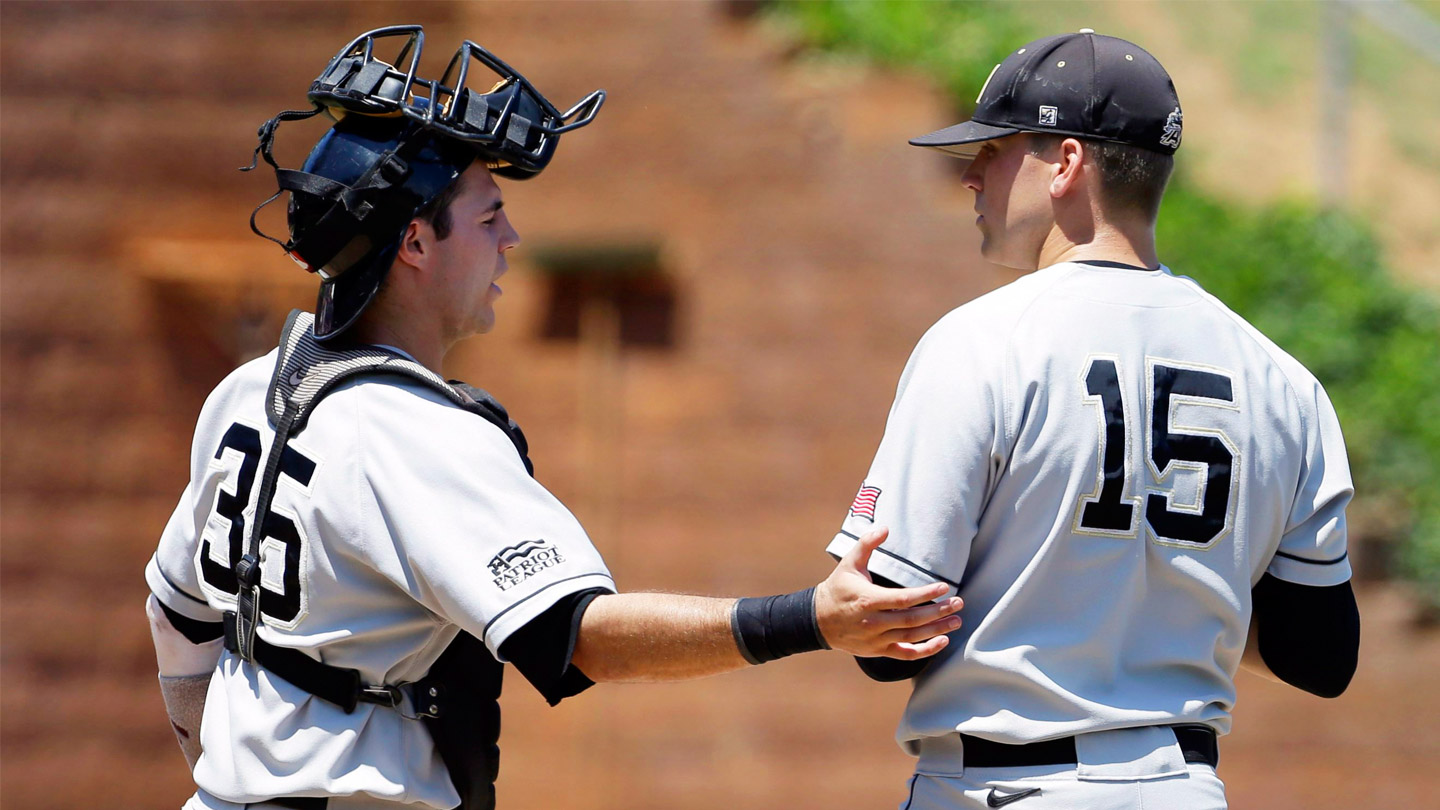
(509, 237)
(971, 177)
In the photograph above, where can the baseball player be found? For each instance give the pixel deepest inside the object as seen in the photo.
(361, 542)
(1132, 488)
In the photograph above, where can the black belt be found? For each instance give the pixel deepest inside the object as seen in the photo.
(1197, 742)
(316, 803)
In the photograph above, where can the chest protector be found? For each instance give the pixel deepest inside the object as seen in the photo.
(458, 698)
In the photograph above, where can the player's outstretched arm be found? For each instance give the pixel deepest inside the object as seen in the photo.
(662, 637)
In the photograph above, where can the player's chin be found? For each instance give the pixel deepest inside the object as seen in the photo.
(483, 320)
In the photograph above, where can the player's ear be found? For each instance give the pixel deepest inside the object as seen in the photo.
(416, 243)
(1068, 163)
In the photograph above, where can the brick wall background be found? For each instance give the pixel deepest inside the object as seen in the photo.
(808, 248)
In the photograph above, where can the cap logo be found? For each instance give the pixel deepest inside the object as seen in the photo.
(1173, 124)
(1048, 116)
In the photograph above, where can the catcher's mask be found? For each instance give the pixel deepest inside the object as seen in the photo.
(398, 142)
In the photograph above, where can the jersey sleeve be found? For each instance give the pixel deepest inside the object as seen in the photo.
(171, 572)
(1313, 548)
(943, 447)
(482, 544)
(542, 650)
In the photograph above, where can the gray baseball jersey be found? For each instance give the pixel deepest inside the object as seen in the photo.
(408, 519)
(1102, 461)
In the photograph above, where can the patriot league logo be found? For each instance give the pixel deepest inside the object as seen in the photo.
(519, 562)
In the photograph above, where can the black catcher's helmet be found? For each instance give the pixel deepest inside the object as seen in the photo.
(398, 142)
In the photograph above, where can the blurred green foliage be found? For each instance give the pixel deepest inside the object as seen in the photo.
(1312, 281)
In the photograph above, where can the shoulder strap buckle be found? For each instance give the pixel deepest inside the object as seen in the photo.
(247, 571)
(386, 695)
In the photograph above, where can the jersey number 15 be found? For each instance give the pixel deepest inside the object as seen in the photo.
(1112, 510)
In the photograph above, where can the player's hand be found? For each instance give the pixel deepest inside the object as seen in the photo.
(865, 619)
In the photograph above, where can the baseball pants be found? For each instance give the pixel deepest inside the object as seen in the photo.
(1124, 769)
(205, 801)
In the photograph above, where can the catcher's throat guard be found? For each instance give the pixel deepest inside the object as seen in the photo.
(398, 142)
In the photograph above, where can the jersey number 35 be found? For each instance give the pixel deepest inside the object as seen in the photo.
(281, 599)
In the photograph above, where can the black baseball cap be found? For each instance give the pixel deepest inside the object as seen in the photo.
(1086, 84)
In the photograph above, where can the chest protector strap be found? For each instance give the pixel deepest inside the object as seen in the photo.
(458, 695)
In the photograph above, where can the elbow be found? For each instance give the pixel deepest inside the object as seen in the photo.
(597, 667)
(1331, 689)
(1325, 683)
(1322, 684)
(602, 660)
(1327, 679)
(1309, 637)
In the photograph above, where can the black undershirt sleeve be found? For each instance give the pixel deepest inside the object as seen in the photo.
(195, 631)
(542, 649)
(887, 670)
(1309, 636)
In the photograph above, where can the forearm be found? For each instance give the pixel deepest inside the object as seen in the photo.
(656, 637)
(668, 637)
(185, 669)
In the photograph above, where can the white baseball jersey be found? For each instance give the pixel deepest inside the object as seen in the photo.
(1102, 461)
(407, 519)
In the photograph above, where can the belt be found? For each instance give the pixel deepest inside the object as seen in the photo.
(315, 803)
(1197, 742)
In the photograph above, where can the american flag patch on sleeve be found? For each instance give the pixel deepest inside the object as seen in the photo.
(864, 505)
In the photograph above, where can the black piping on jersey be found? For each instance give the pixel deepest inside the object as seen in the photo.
(497, 616)
(1296, 558)
(927, 572)
(1116, 265)
(179, 590)
(911, 798)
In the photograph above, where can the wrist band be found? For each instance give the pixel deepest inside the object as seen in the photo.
(771, 627)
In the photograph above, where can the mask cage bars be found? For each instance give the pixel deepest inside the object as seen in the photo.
(355, 81)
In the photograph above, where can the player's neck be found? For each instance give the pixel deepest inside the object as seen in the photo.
(414, 341)
(1126, 245)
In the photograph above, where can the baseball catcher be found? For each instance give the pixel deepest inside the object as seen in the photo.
(362, 545)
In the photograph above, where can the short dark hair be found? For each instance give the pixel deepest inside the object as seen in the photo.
(1132, 179)
(437, 211)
